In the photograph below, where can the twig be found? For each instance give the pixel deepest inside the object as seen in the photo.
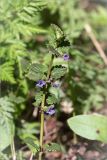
(23, 148)
(31, 157)
(96, 43)
(49, 134)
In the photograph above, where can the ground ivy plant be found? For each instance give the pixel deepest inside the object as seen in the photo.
(47, 77)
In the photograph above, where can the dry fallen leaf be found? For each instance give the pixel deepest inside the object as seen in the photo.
(66, 106)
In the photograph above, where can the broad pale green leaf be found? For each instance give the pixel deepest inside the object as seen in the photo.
(6, 122)
(3, 156)
(93, 127)
(53, 147)
(6, 133)
(58, 72)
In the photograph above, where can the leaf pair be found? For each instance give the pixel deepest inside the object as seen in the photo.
(34, 146)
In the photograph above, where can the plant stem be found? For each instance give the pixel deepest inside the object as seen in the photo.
(42, 111)
(42, 123)
(13, 150)
(74, 135)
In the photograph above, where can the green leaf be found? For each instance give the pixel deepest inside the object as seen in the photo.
(6, 122)
(3, 156)
(33, 144)
(6, 133)
(93, 127)
(28, 129)
(58, 72)
(52, 147)
(38, 98)
(24, 64)
(6, 72)
(58, 32)
(37, 71)
(6, 108)
(60, 37)
(54, 51)
(51, 99)
(18, 100)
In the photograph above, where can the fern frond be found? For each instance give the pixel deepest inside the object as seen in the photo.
(23, 15)
(6, 72)
(6, 122)
(6, 107)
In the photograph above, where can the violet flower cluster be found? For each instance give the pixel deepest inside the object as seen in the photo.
(66, 57)
(41, 83)
(50, 111)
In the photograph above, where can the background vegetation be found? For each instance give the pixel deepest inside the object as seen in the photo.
(25, 30)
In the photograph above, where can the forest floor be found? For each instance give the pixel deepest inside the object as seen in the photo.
(82, 150)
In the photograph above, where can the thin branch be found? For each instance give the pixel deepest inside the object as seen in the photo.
(49, 134)
(31, 157)
(96, 43)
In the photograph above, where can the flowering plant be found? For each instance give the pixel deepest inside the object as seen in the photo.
(46, 77)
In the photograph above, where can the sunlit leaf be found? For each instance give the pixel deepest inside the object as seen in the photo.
(93, 127)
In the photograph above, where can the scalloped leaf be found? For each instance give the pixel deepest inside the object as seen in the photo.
(58, 72)
(51, 147)
(24, 64)
(37, 72)
(61, 39)
(38, 98)
(51, 99)
(54, 51)
(33, 144)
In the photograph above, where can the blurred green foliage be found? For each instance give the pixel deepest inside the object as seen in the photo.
(25, 31)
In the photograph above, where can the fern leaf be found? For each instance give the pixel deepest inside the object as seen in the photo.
(6, 72)
(6, 122)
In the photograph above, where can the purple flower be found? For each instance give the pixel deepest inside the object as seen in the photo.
(50, 111)
(66, 57)
(56, 85)
(41, 83)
